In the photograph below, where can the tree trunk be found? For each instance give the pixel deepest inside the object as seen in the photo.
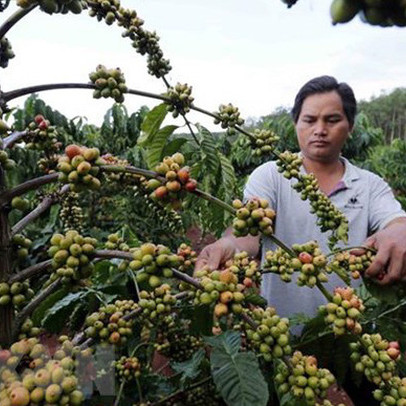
(6, 312)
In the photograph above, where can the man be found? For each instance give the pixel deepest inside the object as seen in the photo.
(324, 113)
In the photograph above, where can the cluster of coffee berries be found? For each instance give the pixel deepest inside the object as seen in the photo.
(289, 164)
(281, 263)
(6, 52)
(79, 167)
(313, 263)
(110, 323)
(270, 337)
(175, 341)
(71, 213)
(246, 269)
(263, 141)
(180, 99)
(156, 305)
(253, 217)
(375, 357)
(147, 42)
(115, 242)
(21, 244)
(392, 392)
(371, 12)
(17, 293)
(55, 6)
(71, 254)
(303, 379)
(28, 329)
(5, 162)
(343, 312)
(228, 117)
(152, 262)
(345, 263)
(187, 257)
(128, 368)
(222, 289)
(329, 217)
(168, 217)
(104, 9)
(42, 136)
(109, 83)
(177, 180)
(119, 176)
(43, 381)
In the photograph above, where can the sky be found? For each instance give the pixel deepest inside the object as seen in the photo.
(255, 54)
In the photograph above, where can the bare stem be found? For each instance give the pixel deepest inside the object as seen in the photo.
(9, 141)
(41, 208)
(282, 245)
(324, 291)
(14, 19)
(186, 278)
(357, 247)
(110, 254)
(27, 186)
(27, 311)
(249, 320)
(30, 271)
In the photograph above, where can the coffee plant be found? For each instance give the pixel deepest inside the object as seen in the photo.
(95, 311)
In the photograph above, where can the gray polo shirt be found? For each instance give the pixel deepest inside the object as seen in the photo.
(365, 199)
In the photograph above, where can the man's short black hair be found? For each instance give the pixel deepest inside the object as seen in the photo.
(324, 84)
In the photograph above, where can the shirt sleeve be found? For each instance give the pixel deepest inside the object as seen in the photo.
(383, 206)
(262, 183)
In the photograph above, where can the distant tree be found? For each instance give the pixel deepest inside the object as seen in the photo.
(388, 111)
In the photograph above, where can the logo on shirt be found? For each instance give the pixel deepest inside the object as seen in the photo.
(354, 203)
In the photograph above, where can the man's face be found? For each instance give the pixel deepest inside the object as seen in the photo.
(322, 127)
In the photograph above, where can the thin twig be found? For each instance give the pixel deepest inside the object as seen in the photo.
(40, 209)
(10, 140)
(15, 18)
(27, 186)
(35, 302)
(186, 278)
(249, 321)
(30, 271)
(324, 291)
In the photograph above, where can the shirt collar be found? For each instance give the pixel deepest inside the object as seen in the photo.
(351, 172)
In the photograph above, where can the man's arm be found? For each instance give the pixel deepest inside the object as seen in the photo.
(225, 248)
(389, 265)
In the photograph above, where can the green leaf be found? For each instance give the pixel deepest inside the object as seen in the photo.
(209, 150)
(202, 320)
(40, 311)
(237, 376)
(256, 299)
(230, 342)
(190, 368)
(173, 146)
(152, 123)
(227, 174)
(55, 317)
(387, 294)
(157, 144)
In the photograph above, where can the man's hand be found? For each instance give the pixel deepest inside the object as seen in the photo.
(389, 265)
(215, 254)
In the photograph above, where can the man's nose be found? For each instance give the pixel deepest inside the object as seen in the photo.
(320, 129)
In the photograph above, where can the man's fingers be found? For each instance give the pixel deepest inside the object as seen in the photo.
(379, 263)
(396, 267)
(209, 257)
